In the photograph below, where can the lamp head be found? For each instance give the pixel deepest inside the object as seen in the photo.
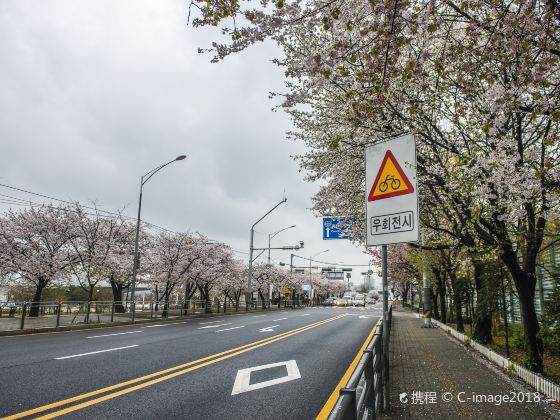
(181, 157)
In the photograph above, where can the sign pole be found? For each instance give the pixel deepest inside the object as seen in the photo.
(385, 327)
(427, 290)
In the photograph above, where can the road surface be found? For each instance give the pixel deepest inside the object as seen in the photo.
(281, 364)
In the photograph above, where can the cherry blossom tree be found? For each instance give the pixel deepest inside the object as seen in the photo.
(93, 240)
(476, 81)
(35, 245)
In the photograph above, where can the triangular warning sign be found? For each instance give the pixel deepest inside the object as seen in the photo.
(390, 180)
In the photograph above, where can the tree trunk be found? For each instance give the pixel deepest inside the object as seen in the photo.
(435, 303)
(34, 309)
(405, 293)
(262, 299)
(525, 281)
(482, 316)
(456, 285)
(443, 304)
(117, 289)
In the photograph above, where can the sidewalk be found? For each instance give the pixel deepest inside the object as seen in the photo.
(429, 367)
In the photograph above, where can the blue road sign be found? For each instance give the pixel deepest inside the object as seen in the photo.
(337, 227)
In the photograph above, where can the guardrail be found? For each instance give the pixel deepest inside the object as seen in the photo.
(366, 394)
(33, 315)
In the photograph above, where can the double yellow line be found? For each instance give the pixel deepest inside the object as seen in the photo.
(126, 387)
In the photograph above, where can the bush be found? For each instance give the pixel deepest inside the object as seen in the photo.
(517, 337)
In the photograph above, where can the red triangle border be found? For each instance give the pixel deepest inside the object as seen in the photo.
(409, 187)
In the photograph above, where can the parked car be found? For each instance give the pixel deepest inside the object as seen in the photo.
(329, 301)
(370, 301)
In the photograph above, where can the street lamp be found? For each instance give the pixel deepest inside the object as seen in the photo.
(270, 236)
(310, 283)
(143, 179)
(250, 271)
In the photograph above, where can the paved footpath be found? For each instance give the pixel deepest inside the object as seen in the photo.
(428, 367)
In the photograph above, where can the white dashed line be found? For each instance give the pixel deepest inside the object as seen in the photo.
(232, 328)
(279, 319)
(110, 335)
(94, 352)
(214, 326)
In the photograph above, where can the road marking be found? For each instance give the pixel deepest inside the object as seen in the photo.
(94, 352)
(258, 316)
(268, 329)
(279, 319)
(363, 317)
(243, 377)
(165, 325)
(232, 328)
(210, 322)
(110, 335)
(161, 376)
(214, 326)
(329, 405)
(306, 314)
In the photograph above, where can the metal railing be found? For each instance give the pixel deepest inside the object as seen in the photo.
(366, 394)
(35, 315)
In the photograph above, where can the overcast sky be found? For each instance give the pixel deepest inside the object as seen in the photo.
(95, 93)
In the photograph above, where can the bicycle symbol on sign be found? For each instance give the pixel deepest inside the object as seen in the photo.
(395, 183)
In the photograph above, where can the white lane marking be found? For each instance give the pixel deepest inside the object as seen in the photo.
(210, 322)
(214, 326)
(258, 316)
(279, 319)
(243, 378)
(363, 317)
(232, 328)
(95, 352)
(165, 325)
(110, 335)
(306, 314)
(268, 329)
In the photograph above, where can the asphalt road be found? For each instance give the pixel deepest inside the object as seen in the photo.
(214, 368)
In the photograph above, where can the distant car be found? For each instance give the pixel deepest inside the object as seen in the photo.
(329, 301)
(370, 301)
(341, 302)
(359, 300)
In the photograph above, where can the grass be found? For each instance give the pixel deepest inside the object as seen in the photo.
(517, 351)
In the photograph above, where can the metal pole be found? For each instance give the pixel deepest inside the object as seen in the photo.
(249, 294)
(269, 249)
(426, 286)
(135, 265)
(385, 330)
(291, 263)
(250, 271)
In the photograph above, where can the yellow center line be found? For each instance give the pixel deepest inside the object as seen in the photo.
(329, 405)
(199, 363)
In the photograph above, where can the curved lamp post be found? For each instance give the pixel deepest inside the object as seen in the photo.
(310, 282)
(143, 179)
(272, 235)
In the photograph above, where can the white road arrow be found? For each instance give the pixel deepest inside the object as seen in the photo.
(268, 329)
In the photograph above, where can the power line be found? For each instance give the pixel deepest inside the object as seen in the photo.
(11, 200)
